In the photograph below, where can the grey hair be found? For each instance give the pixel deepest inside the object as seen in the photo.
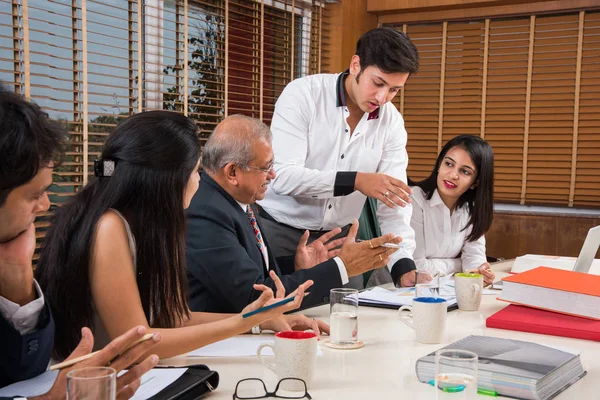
(231, 142)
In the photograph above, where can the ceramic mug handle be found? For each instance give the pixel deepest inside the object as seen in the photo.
(403, 316)
(269, 365)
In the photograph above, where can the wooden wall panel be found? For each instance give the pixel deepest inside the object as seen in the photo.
(513, 234)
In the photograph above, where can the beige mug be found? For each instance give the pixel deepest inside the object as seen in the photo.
(295, 357)
(427, 318)
(469, 288)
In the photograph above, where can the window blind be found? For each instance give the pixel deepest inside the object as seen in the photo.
(528, 85)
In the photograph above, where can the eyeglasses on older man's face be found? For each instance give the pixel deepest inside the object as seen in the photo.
(266, 170)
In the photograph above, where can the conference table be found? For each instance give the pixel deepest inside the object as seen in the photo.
(385, 367)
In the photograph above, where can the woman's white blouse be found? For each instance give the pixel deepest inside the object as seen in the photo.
(440, 237)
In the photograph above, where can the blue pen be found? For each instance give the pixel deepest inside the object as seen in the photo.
(265, 308)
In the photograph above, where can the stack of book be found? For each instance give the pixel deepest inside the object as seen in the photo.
(557, 302)
(514, 368)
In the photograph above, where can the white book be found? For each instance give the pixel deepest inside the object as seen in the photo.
(531, 261)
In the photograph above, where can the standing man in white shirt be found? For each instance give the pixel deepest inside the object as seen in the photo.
(337, 140)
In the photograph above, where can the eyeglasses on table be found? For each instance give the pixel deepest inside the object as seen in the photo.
(255, 388)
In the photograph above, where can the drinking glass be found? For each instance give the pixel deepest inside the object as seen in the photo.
(343, 316)
(426, 287)
(92, 383)
(456, 374)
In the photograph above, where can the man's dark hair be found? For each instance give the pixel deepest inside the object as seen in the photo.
(29, 140)
(389, 50)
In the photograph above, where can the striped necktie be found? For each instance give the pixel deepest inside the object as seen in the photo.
(259, 239)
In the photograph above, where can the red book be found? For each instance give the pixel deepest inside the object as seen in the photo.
(526, 319)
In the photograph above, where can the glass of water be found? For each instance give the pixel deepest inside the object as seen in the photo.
(427, 284)
(343, 316)
(456, 374)
(97, 383)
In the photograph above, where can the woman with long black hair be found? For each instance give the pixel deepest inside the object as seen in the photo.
(453, 208)
(114, 256)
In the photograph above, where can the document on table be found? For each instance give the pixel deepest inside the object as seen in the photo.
(31, 387)
(237, 346)
(397, 297)
(156, 380)
(152, 383)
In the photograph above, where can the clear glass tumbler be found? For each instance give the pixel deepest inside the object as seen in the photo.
(456, 374)
(343, 316)
(92, 383)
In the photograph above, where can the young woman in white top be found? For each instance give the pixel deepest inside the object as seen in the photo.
(114, 257)
(453, 209)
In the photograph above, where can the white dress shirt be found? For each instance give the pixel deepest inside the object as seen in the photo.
(312, 146)
(23, 318)
(440, 236)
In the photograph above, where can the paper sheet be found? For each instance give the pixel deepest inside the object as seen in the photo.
(237, 346)
(31, 387)
(153, 382)
(400, 297)
(156, 380)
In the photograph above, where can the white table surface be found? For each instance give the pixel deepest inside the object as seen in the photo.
(385, 367)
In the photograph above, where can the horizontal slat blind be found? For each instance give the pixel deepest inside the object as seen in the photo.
(11, 36)
(527, 85)
(277, 54)
(422, 101)
(508, 48)
(112, 64)
(244, 58)
(464, 79)
(206, 62)
(587, 184)
(80, 61)
(551, 112)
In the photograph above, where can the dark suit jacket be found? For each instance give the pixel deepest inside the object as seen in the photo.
(224, 261)
(24, 357)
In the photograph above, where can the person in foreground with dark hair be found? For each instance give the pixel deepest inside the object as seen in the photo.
(453, 209)
(30, 143)
(337, 140)
(114, 256)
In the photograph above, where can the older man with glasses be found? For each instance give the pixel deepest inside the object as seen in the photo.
(227, 252)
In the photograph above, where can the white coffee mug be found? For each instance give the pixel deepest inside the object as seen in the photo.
(295, 357)
(469, 288)
(427, 318)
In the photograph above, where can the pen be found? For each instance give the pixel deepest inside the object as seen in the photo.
(270, 306)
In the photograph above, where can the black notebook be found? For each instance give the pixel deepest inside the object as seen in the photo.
(514, 368)
(197, 381)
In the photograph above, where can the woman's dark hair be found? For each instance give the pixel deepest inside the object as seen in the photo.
(29, 140)
(389, 50)
(479, 200)
(155, 153)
